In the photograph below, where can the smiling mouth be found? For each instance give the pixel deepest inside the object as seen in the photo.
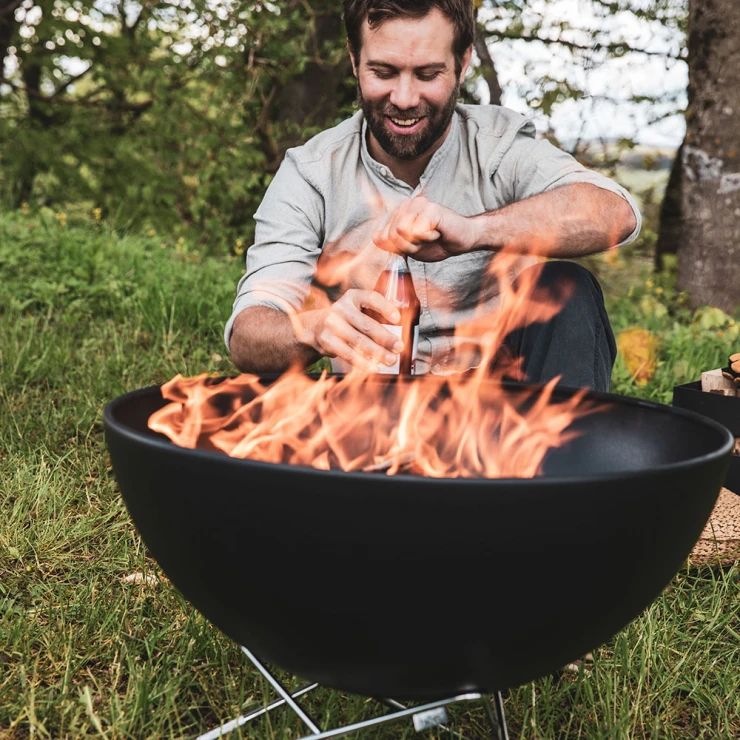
(405, 122)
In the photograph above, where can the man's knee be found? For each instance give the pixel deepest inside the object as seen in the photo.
(561, 275)
(577, 343)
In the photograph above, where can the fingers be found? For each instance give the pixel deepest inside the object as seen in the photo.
(357, 338)
(410, 226)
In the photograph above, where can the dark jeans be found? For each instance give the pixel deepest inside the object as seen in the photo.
(578, 342)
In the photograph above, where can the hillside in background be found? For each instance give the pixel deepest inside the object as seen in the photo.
(641, 169)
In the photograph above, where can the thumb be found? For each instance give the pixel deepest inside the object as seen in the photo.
(431, 235)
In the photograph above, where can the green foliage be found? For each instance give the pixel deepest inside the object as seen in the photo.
(163, 118)
(174, 116)
(68, 271)
(688, 341)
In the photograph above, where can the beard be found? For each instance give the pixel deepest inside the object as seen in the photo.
(408, 146)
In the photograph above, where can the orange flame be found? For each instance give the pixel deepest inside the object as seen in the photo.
(459, 425)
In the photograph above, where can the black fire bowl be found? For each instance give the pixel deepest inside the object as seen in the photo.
(421, 588)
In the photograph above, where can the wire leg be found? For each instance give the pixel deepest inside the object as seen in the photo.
(230, 726)
(497, 720)
(279, 688)
(393, 704)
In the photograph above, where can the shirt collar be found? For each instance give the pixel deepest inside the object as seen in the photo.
(437, 158)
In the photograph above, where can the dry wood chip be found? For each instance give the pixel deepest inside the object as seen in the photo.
(138, 578)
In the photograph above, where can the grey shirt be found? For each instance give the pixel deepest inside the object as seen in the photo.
(315, 223)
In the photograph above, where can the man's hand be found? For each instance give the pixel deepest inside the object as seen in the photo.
(427, 231)
(342, 330)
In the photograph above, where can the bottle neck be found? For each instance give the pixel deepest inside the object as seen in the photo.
(397, 263)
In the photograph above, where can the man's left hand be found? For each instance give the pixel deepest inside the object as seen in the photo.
(427, 231)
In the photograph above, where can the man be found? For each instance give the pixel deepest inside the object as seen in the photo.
(445, 184)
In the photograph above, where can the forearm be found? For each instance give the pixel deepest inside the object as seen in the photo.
(263, 340)
(570, 221)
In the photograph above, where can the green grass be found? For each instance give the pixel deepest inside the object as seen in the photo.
(86, 315)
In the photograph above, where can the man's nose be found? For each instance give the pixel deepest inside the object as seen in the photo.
(405, 93)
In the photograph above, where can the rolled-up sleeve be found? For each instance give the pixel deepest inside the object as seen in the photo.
(535, 166)
(281, 263)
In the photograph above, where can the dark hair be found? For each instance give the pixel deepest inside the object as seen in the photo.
(459, 12)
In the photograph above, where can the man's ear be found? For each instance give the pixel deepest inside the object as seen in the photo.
(467, 56)
(352, 59)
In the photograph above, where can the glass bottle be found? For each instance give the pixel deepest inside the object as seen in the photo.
(396, 285)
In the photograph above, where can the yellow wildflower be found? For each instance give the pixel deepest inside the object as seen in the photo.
(151, 232)
(97, 213)
(638, 349)
(648, 284)
(61, 217)
(24, 208)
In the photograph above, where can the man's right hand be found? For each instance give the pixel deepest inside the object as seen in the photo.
(343, 330)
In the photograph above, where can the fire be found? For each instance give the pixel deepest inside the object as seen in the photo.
(458, 425)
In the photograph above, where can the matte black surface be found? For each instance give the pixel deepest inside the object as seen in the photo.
(415, 587)
(724, 409)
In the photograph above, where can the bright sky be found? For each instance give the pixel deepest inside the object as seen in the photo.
(520, 64)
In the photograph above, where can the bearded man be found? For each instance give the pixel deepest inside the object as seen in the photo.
(449, 186)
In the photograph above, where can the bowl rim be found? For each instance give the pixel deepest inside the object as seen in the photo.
(111, 423)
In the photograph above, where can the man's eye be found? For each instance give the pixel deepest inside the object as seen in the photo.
(382, 75)
(429, 77)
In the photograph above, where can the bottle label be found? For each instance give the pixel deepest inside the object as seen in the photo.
(395, 368)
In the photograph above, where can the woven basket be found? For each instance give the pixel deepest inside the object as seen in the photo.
(719, 543)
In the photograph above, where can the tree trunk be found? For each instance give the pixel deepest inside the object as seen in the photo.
(487, 67)
(670, 234)
(709, 258)
(37, 118)
(313, 97)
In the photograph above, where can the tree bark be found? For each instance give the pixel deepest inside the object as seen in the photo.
(488, 70)
(313, 97)
(709, 258)
(37, 117)
(670, 233)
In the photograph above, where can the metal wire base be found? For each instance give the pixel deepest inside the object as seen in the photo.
(425, 715)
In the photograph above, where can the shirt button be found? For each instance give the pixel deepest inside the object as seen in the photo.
(384, 171)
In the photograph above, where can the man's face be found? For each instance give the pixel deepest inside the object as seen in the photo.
(407, 82)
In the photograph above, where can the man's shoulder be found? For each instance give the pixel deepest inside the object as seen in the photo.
(337, 139)
(494, 121)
